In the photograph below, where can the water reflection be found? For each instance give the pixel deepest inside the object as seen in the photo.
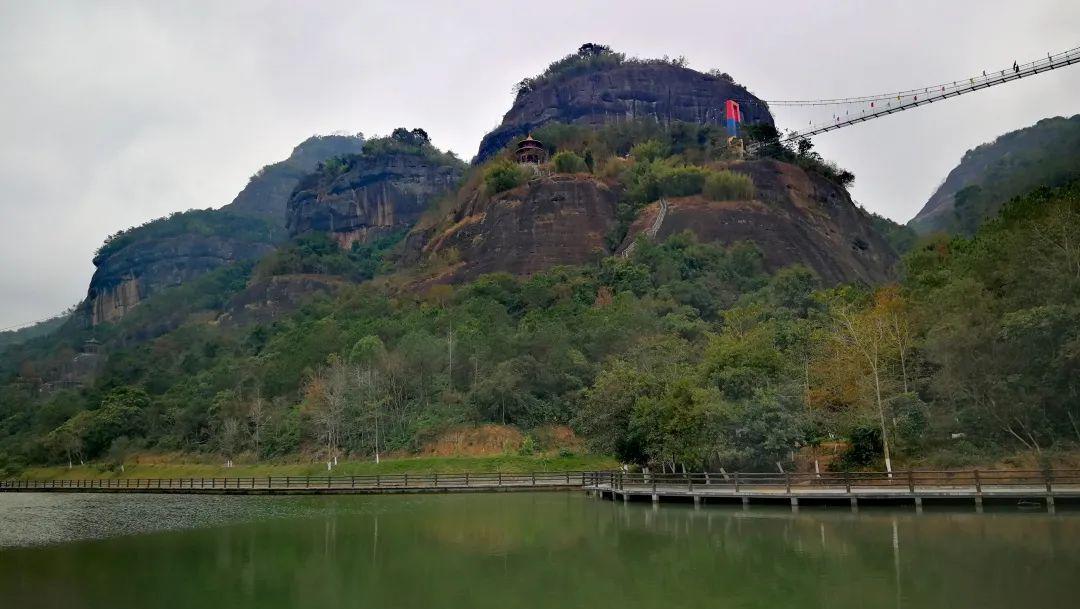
(524, 550)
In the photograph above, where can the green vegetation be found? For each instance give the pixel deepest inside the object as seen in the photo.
(728, 186)
(502, 175)
(1045, 154)
(684, 354)
(569, 162)
(204, 222)
(10, 338)
(400, 465)
(901, 238)
(588, 58)
(317, 253)
(800, 152)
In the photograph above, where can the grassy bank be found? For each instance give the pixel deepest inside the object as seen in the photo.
(496, 463)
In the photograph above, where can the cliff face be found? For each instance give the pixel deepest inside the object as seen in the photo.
(796, 217)
(126, 277)
(549, 221)
(141, 261)
(371, 194)
(268, 191)
(630, 91)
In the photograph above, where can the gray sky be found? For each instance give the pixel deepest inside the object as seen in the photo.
(114, 113)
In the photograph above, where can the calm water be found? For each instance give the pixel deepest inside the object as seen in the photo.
(506, 551)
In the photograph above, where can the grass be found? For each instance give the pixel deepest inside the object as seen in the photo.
(497, 463)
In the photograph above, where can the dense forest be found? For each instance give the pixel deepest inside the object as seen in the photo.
(683, 354)
(1044, 154)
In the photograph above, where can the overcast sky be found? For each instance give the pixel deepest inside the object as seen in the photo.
(114, 113)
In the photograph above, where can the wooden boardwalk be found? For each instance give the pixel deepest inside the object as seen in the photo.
(1013, 487)
(312, 485)
(1043, 488)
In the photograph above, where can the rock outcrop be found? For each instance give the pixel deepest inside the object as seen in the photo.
(267, 193)
(629, 91)
(796, 217)
(136, 263)
(562, 219)
(127, 276)
(372, 194)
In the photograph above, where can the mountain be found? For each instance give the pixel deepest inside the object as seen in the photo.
(360, 197)
(598, 86)
(1044, 154)
(138, 262)
(268, 191)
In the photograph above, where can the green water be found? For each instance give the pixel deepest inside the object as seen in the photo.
(556, 550)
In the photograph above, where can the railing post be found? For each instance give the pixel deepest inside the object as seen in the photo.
(978, 481)
(736, 482)
(910, 481)
(787, 482)
(307, 481)
(500, 479)
(436, 478)
(847, 482)
(406, 479)
(534, 478)
(689, 482)
(1049, 480)
(466, 478)
(378, 480)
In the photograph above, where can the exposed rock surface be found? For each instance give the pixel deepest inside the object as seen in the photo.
(128, 276)
(143, 260)
(371, 194)
(561, 219)
(631, 91)
(268, 191)
(795, 217)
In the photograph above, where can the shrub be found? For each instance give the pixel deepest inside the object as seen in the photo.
(727, 185)
(683, 181)
(649, 150)
(504, 175)
(568, 162)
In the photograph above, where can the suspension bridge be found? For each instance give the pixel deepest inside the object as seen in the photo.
(847, 111)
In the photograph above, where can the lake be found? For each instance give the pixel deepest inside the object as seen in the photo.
(521, 550)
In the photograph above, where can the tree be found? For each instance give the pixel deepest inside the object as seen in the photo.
(327, 398)
(866, 333)
(257, 418)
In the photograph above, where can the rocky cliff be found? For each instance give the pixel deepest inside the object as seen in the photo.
(549, 221)
(384, 190)
(627, 90)
(796, 217)
(138, 262)
(127, 275)
(268, 191)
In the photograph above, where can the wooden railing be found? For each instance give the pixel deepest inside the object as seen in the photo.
(909, 480)
(369, 482)
(899, 480)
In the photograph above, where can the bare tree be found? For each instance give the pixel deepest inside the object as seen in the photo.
(867, 334)
(328, 395)
(229, 438)
(257, 417)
